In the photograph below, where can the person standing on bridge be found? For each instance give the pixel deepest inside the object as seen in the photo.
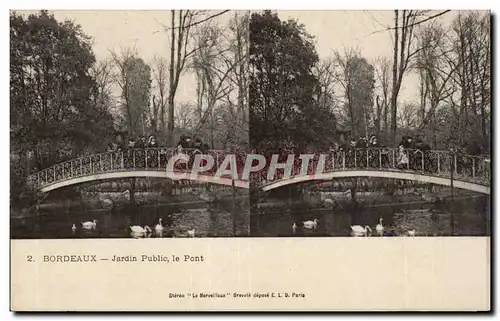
(152, 142)
(403, 161)
(131, 143)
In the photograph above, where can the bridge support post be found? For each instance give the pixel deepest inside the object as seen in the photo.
(234, 207)
(452, 207)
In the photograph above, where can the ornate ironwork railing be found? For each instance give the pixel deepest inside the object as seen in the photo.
(437, 163)
(148, 159)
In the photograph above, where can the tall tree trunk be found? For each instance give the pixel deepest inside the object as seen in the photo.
(162, 115)
(170, 129)
(394, 79)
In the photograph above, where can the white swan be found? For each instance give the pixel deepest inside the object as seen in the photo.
(159, 227)
(73, 228)
(294, 227)
(329, 201)
(190, 233)
(140, 230)
(411, 232)
(107, 203)
(311, 224)
(89, 225)
(380, 227)
(360, 231)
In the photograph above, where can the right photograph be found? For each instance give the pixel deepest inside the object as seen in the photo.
(370, 123)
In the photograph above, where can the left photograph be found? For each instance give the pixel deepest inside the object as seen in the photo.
(121, 121)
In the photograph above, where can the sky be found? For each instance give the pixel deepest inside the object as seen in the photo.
(334, 30)
(337, 30)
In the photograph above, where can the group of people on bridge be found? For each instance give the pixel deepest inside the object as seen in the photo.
(143, 141)
(140, 142)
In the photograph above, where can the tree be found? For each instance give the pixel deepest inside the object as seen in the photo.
(472, 47)
(54, 105)
(436, 69)
(326, 73)
(181, 51)
(404, 52)
(383, 78)
(408, 116)
(356, 77)
(239, 47)
(454, 71)
(186, 117)
(58, 104)
(160, 80)
(283, 90)
(134, 80)
(213, 69)
(221, 65)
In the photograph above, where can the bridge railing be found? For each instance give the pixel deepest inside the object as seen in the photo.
(438, 163)
(152, 159)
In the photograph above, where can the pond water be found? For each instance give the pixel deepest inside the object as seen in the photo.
(471, 217)
(207, 220)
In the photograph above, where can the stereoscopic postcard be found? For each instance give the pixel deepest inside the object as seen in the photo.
(228, 160)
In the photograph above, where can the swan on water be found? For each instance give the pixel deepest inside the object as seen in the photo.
(140, 230)
(360, 231)
(107, 203)
(411, 232)
(159, 226)
(89, 225)
(190, 233)
(311, 224)
(380, 227)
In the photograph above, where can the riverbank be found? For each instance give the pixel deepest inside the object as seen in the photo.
(365, 200)
(96, 205)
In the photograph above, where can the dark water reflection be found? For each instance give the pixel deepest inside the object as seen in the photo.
(471, 217)
(214, 220)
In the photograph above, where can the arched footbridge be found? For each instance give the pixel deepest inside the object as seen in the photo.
(435, 167)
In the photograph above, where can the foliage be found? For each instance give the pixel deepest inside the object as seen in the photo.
(54, 98)
(283, 90)
(356, 77)
(56, 105)
(134, 79)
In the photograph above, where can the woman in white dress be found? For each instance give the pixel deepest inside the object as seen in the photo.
(403, 158)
